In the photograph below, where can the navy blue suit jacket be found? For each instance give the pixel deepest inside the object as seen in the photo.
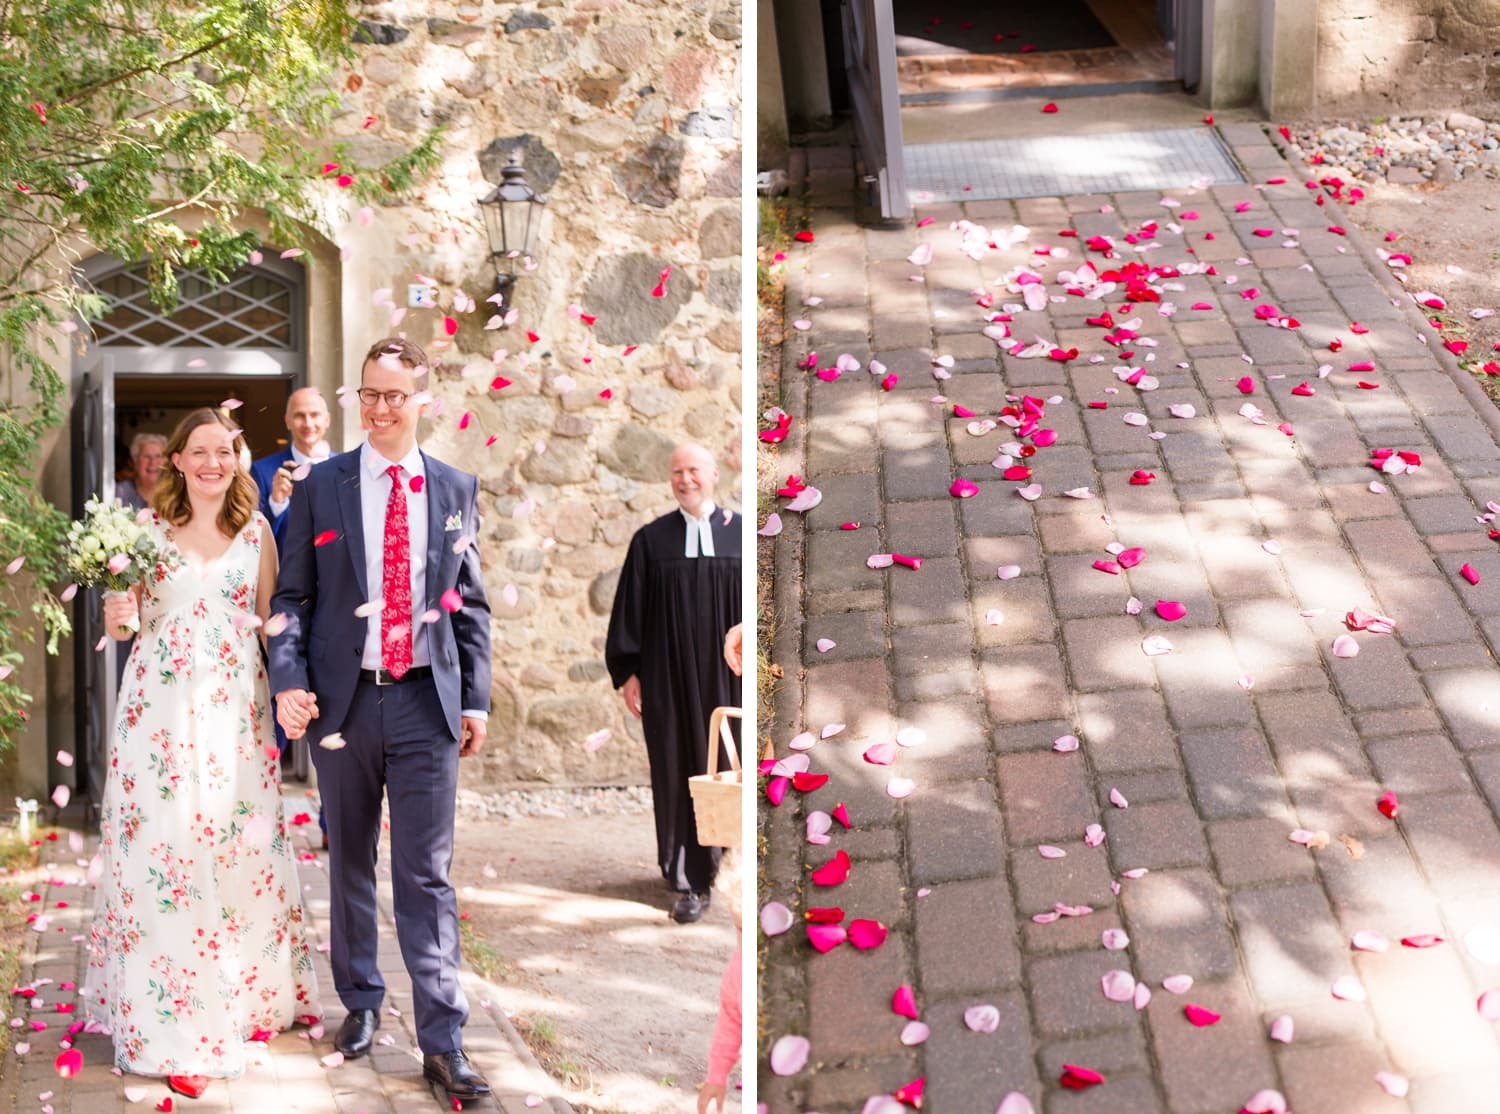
(320, 586)
(263, 471)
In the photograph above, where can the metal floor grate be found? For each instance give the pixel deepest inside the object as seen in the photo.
(1059, 165)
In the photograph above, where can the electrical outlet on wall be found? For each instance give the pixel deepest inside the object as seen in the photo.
(419, 296)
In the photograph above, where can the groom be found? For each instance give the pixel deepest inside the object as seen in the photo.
(393, 700)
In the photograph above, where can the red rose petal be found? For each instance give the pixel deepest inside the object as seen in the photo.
(1388, 805)
(1076, 1078)
(865, 934)
(834, 872)
(1201, 1016)
(805, 782)
(841, 814)
(325, 537)
(824, 914)
(1424, 940)
(911, 1093)
(904, 1003)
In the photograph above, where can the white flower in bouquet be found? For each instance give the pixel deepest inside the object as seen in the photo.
(110, 547)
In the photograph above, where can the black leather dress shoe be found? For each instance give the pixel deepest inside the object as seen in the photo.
(357, 1032)
(690, 907)
(453, 1072)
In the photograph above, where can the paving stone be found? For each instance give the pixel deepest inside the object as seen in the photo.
(1292, 945)
(1045, 797)
(1250, 852)
(1332, 1079)
(1424, 1008)
(1178, 926)
(974, 1071)
(1418, 764)
(1025, 607)
(1126, 731)
(1160, 835)
(986, 555)
(1199, 1067)
(1467, 699)
(1143, 787)
(932, 594)
(954, 834)
(1379, 677)
(1456, 841)
(859, 634)
(963, 939)
(1082, 878)
(1024, 683)
(1105, 653)
(1119, 1051)
(1233, 775)
(1066, 999)
(1426, 609)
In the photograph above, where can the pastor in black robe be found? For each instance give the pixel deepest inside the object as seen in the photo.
(670, 616)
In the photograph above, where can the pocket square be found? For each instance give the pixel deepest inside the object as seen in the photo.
(453, 522)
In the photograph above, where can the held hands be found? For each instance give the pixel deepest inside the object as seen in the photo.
(295, 709)
(281, 483)
(734, 649)
(122, 613)
(473, 737)
(631, 692)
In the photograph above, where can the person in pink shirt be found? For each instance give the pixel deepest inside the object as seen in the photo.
(724, 1047)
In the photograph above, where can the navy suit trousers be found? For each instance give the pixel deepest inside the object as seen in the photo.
(397, 747)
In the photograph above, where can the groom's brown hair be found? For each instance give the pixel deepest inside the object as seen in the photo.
(406, 352)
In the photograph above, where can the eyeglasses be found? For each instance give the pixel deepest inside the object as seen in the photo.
(369, 396)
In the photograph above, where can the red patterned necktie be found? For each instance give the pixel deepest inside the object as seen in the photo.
(395, 616)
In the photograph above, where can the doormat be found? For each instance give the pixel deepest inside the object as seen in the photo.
(1059, 165)
(964, 27)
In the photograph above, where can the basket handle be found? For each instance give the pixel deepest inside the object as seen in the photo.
(718, 728)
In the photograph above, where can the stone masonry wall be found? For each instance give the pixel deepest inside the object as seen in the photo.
(1407, 55)
(627, 116)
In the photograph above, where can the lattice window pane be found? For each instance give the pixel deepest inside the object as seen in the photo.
(254, 309)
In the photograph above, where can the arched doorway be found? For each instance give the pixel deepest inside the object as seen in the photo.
(143, 369)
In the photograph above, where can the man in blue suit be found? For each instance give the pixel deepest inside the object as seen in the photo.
(393, 695)
(307, 421)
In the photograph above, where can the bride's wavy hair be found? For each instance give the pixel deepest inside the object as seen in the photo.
(170, 499)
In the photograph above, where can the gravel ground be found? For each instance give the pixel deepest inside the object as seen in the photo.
(554, 801)
(1444, 147)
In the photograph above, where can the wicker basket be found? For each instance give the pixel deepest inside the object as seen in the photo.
(718, 795)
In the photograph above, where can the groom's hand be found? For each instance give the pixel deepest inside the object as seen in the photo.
(295, 708)
(473, 740)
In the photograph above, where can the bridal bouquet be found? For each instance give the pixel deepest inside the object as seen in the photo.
(109, 547)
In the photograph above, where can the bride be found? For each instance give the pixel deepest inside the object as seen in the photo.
(197, 943)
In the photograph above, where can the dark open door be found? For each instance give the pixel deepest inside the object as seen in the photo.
(94, 670)
(870, 61)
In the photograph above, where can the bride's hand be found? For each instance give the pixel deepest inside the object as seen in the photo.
(120, 611)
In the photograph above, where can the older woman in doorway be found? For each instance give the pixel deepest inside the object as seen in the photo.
(197, 941)
(148, 455)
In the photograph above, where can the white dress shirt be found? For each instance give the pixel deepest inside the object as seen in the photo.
(374, 496)
(700, 531)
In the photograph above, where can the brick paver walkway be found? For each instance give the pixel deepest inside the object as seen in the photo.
(291, 1079)
(1217, 769)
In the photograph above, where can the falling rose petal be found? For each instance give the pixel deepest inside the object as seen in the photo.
(325, 537)
(1155, 645)
(994, 617)
(982, 1018)
(772, 526)
(1392, 1084)
(332, 742)
(1283, 1029)
(1065, 744)
(914, 1033)
(597, 739)
(1347, 988)
(1344, 646)
(63, 758)
(1118, 986)
(1201, 1016)
(61, 796)
(1177, 984)
(1115, 939)
(368, 608)
(135, 1094)
(789, 1054)
(904, 1002)
(1047, 851)
(899, 788)
(451, 601)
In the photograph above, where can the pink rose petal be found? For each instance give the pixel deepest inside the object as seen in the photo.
(1118, 986)
(772, 526)
(881, 754)
(1348, 989)
(789, 1054)
(1015, 1103)
(1170, 610)
(825, 644)
(1489, 1005)
(1008, 572)
(982, 1018)
(1117, 799)
(866, 934)
(775, 918)
(904, 1002)
(1283, 1029)
(826, 937)
(1093, 835)
(1047, 851)
(1115, 939)
(1392, 1084)
(1065, 744)
(1344, 646)
(1265, 1102)
(899, 788)
(1177, 984)
(1366, 940)
(914, 1033)
(1142, 997)
(1155, 644)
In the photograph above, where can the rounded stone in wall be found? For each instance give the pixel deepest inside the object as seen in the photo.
(619, 290)
(569, 720)
(726, 24)
(623, 46)
(602, 592)
(452, 32)
(651, 402)
(573, 523)
(588, 671)
(542, 166)
(720, 234)
(524, 558)
(723, 289)
(638, 453)
(524, 20)
(652, 175)
(564, 462)
(371, 33)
